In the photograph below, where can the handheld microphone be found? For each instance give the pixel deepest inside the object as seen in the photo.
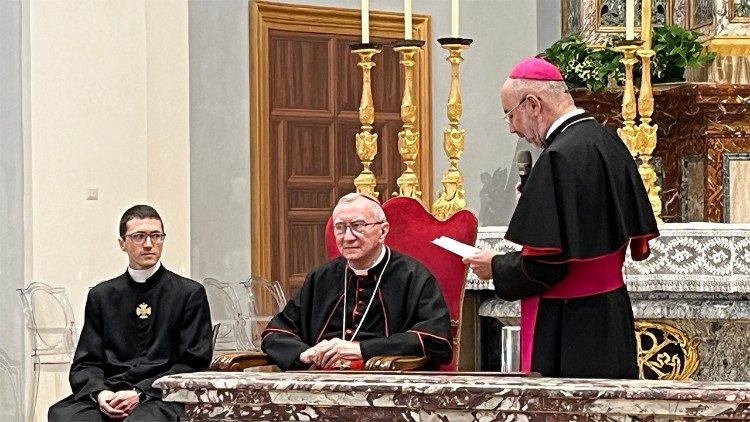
(523, 163)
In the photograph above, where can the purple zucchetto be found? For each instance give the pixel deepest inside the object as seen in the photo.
(536, 69)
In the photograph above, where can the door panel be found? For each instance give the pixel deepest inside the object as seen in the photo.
(306, 88)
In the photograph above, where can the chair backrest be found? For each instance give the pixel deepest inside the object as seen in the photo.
(265, 299)
(412, 230)
(227, 314)
(50, 322)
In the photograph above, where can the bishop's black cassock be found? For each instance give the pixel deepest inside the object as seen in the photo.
(583, 203)
(408, 315)
(134, 333)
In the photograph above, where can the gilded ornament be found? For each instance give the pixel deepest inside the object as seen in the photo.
(665, 352)
(143, 311)
(408, 137)
(452, 198)
(366, 141)
(640, 139)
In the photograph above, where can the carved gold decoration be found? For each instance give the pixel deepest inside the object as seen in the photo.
(729, 45)
(367, 142)
(143, 311)
(647, 132)
(629, 133)
(641, 139)
(452, 198)
(408, 137)
(665, 352)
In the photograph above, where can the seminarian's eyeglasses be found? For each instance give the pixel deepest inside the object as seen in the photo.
(138, 237)
(358, 227)
(507, 115)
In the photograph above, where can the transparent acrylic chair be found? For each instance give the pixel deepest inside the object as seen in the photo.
(51, 327)
(227, 314)
(10, 381)
(261, 313)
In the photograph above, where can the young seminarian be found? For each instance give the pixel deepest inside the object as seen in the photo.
(370, 301)
(582, 204)
(142, 325)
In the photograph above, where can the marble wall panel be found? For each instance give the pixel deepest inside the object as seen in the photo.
(722, 348)
(692, 119)
(692, 200)
(736, 183)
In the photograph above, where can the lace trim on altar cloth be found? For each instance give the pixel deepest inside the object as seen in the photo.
(694, 257)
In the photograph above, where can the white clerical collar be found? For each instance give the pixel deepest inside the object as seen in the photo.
(562, 119)
(140, 276)
(377, 261)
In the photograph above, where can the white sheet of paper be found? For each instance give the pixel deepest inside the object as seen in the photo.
(461, 249)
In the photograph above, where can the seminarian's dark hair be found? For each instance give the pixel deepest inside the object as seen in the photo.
(140, 212)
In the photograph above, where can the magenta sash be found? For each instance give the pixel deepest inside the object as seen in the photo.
(585, 278)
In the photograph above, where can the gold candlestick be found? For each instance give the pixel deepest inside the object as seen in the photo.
(641, 139)
(367, 142)
(408, 137)
(452, 198)
(647, 133)
(629, 133)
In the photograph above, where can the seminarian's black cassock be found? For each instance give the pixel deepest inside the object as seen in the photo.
(135, 333)
(583, 203)
(408, 315)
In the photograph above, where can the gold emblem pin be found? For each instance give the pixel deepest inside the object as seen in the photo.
(143, 311)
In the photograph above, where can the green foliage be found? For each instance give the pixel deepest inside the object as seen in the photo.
(583, 66)
(676, 47)
(597, 68)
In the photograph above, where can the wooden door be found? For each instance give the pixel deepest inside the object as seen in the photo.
(313, 93)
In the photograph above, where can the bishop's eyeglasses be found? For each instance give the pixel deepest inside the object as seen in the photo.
(139, 237)
(507, 115)
(358, 227)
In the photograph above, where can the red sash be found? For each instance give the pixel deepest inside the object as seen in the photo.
(585, 278)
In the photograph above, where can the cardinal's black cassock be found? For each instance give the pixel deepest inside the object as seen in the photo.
(407, 313)
(133, 334)
(583, 203)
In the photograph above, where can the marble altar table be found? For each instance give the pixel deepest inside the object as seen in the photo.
(215, 396)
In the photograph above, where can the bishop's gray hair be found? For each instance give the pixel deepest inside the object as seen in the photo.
(550, 90)
(377, 210)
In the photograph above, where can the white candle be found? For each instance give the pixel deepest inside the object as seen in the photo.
(454, 18)
(365, 21)
(407, 19)
(630, 19)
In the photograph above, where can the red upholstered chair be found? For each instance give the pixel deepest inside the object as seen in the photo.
(412, 230)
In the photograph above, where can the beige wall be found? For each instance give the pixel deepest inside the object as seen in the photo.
(107, 95)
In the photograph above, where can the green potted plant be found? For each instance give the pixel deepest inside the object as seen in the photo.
(583, 66)
(596, 68)
(676, 48)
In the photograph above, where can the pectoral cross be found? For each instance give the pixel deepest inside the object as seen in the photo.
(143, 311)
